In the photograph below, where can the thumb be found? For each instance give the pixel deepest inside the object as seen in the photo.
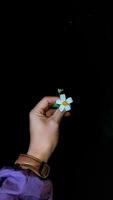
(58, 115)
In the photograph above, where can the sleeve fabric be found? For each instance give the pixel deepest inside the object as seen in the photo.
(19, 184)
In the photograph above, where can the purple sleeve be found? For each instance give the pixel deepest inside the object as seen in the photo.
(21, 184)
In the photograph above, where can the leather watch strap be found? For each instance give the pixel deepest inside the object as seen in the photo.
(34, 164)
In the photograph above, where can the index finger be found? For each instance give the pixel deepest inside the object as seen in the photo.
(45, 103)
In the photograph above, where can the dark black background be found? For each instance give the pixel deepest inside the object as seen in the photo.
(49, 46)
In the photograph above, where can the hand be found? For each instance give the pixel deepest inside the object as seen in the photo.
(44, 128)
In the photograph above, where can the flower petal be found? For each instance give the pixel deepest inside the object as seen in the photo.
(69, 100)
(58, 101)
(67, 108)
(63, 97)
(62, 108)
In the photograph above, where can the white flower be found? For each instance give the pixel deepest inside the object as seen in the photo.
(64, 103)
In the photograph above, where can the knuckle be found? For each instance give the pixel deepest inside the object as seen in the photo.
(45, 98)
(31, 113)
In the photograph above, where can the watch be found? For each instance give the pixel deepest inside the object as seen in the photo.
(39, 167)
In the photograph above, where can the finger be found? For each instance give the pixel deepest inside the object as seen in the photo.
(58, 115)
(50, 112)
(44, 104)
(67, 114)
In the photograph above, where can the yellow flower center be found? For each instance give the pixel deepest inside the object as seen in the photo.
(65, 103)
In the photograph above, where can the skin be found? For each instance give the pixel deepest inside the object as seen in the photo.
(44, 128)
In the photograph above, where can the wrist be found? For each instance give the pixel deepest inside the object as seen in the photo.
(43, 156)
